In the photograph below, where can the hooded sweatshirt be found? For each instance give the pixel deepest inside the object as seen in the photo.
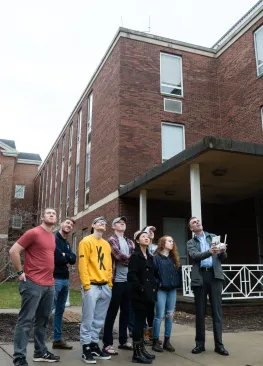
(95, 263)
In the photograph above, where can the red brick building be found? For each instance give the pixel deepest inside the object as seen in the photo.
(17, 213)
(137, 138)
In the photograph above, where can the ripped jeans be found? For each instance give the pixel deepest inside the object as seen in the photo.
(165, 307)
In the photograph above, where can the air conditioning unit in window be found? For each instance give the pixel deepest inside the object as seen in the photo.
(173, 106)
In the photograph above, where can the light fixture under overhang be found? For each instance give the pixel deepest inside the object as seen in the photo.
(219, 172)
(169, 193)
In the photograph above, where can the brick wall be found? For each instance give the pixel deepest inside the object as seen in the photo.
(104, 141)
(240, 91)
(12, 174)
(105, 132)
(6, 177)
(222, 97)
(24, 174)
(142, 108)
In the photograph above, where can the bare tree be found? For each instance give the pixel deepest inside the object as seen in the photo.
(15, 218)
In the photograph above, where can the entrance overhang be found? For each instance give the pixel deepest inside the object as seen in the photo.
(229, 171)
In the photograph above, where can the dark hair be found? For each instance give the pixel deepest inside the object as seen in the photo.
(174, 254)
(189, 221)
(70, 219)
(139, 234)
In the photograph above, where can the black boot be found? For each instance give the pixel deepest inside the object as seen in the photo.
(146, 353)
(157, 347)
(167, 345)
(138, 356)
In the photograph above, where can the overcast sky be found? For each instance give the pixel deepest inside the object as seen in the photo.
(50, 49)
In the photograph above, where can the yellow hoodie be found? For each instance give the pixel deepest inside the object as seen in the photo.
(95, 264)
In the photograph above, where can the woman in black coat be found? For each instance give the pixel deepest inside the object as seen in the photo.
(143, 284)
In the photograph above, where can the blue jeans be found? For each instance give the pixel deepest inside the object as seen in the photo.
(165, 306)
(60, 299)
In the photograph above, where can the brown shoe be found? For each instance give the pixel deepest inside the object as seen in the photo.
(146, 339)
(150, 334)
(61, 345)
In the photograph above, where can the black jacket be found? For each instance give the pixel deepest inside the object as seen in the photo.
(170, 276)
(62, 246)
(142, 278)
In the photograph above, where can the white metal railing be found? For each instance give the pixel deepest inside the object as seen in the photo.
(242, 281)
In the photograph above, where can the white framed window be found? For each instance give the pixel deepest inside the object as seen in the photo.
(70, 136)
(42, 189)
(39, 192)
(17, 222)
(87, 174)
(171, 75)
(60, 194)
(20, 191)
(173, 140)
(74, 246)
(258, 40)
(85, 232)
(89, 119)
(79, 125)
(63, 147)
(68, 186)
(51, 179)
(262, 116)
(77, 181)
(87, 198)
(47, 175)
(55, 195)
(57, 160)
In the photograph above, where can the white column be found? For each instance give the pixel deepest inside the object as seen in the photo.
(143, 208)
(195, 191)
(68, 302)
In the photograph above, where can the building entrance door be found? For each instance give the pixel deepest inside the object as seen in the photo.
(177, 228)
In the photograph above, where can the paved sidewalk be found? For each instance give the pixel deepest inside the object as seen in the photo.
(246, 349)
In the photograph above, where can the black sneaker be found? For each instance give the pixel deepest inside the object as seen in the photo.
(20, 361)
(97, 353)
(47, 357)
(87, 356)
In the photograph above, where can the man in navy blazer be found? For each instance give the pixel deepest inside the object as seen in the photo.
(206, 279)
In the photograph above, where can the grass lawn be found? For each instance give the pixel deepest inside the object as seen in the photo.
(10, 297)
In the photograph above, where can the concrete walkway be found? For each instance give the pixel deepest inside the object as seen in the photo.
(246, 349)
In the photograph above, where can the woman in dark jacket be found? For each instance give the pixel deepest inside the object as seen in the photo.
(166, 261)
(143, 285)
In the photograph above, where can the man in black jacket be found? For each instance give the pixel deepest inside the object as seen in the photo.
(63, 257)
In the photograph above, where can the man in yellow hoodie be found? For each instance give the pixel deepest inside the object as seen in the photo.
(95, 269)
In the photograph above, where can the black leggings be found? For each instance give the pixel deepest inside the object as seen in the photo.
(150, 315)
(140, 319)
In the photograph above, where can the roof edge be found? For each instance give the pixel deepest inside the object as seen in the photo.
(236, 28)
(165, 39)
